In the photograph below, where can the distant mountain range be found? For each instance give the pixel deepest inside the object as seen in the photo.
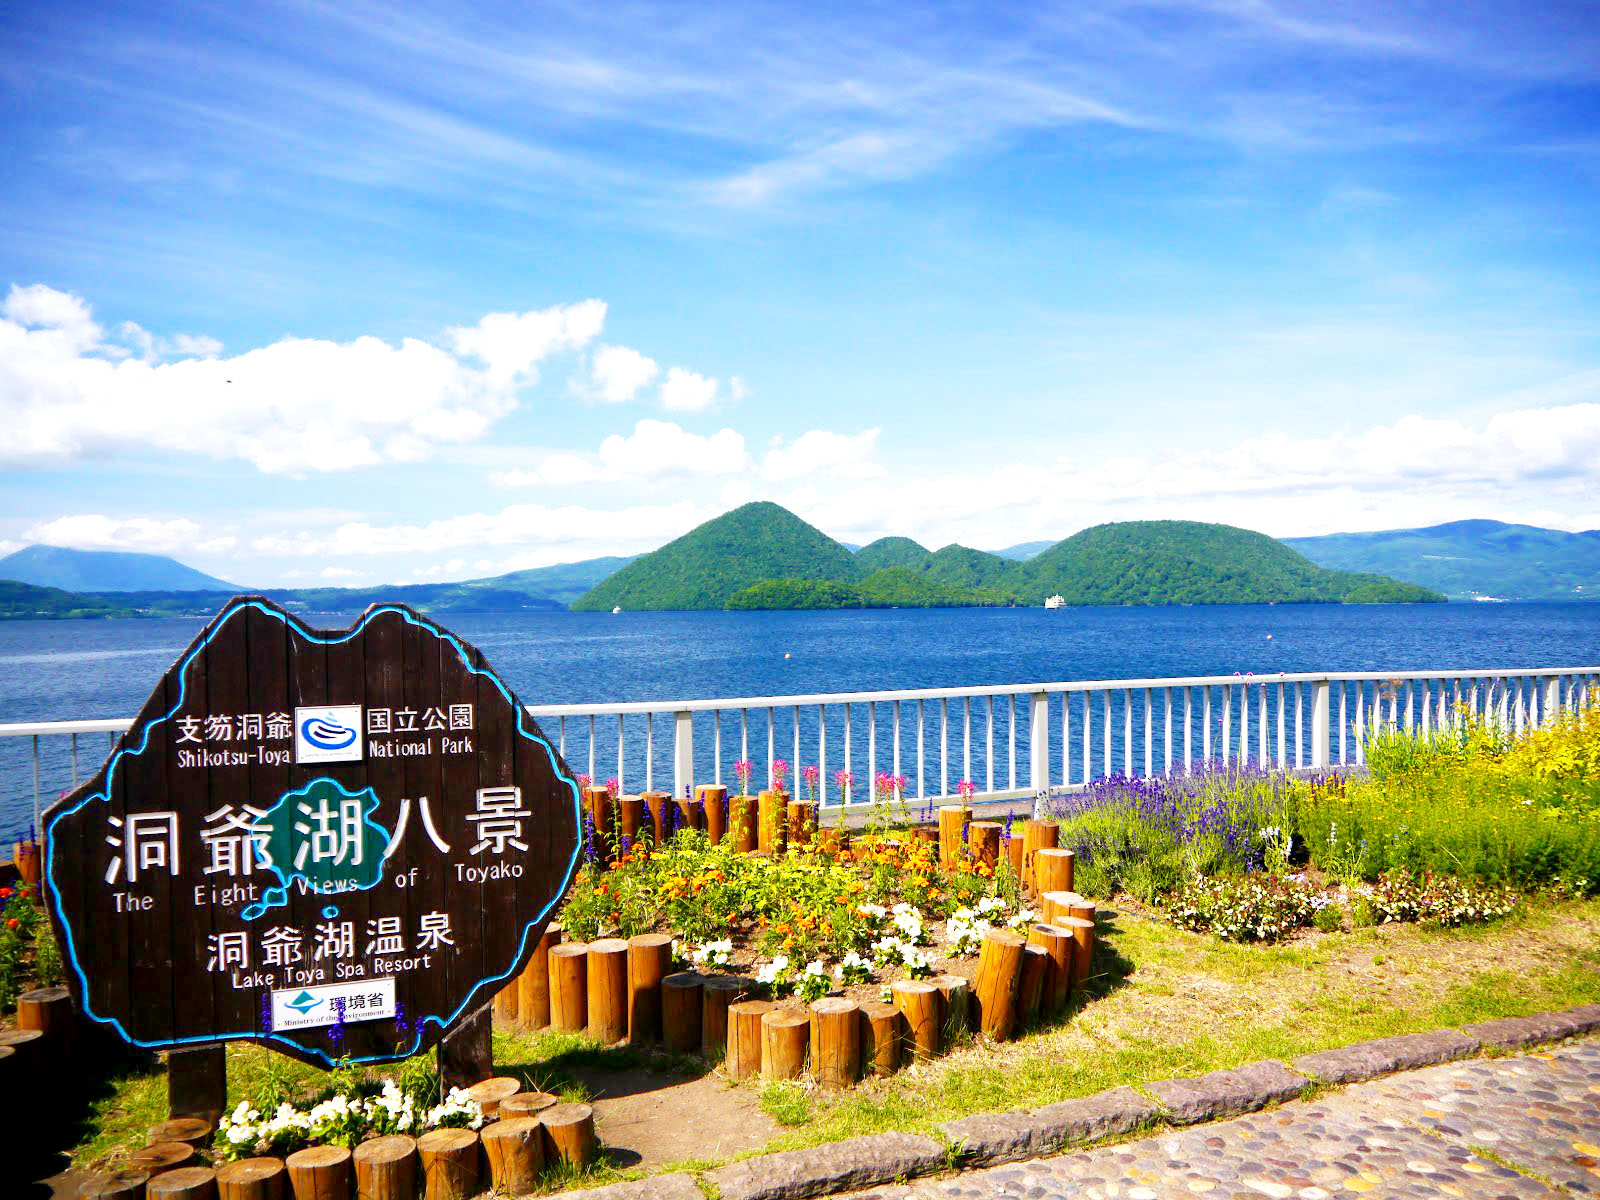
(550, 588)
(763, 556)
(106, 571)
(1468, 560)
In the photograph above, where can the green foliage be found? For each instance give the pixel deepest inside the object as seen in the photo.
(1465, 801)
(891, 552)
(711, 562)
(1189, 562)
(23, 601)
(1244, 909)
(796, 594)
(890, 587)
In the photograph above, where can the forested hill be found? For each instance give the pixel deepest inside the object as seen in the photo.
(763, 556)
(711, 562)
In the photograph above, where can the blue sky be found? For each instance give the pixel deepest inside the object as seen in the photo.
(347, 293)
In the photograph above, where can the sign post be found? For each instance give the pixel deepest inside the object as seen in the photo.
(337, 844)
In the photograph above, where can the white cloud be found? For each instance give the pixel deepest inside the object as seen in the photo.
(656, 452)
(338, 573)
(684, 391)
(565, 533)
(94, 531)
(619, 373)
(820, 452)
(510, 345)
(298, 405)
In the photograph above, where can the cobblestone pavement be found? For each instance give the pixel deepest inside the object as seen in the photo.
(1511, 1127)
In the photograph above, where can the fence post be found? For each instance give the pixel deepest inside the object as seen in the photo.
(1320, 692)
(1039, 743)
(1552, 700)
(682, 753)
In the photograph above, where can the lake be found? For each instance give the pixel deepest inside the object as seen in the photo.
(87, 669)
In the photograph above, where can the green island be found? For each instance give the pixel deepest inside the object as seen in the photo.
(761, 556)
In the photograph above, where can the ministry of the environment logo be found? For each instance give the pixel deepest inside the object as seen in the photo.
(327, 734)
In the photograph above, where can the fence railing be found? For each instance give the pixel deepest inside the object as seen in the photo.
(1010, 742)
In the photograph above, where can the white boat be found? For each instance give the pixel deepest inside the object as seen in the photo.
(617, 609)
(1056, 601)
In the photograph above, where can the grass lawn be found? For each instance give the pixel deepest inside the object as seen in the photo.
(1167, 1003)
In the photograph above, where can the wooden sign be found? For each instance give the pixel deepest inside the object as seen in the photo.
(341, 844)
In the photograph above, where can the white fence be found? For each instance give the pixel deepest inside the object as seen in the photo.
(1010, 742)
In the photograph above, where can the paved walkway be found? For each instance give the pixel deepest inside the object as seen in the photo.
(1525, 1126)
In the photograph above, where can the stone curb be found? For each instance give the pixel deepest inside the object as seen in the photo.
(993, 1138)
(1227, 1093)
(842, 1166)
(1513, 1033)
(1368, 1060)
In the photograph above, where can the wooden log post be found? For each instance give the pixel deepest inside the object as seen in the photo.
(983, 842)
(1036, 836)
(658, 804)
(569, 1134)
(608, 990)
(505, 1004)
(321, 1173)
(191, 1131)
(1058, 944)
(953, 821)
(1052, 870)
(881, 1037)
(681, 1007)
(1083, 947)
(744, 1038)
(632, 820)
(1082, 908)
(785, 1033)
(162, 1157)
(490, 1093)
(1012, 851)
(919, 1005)
(266, 1179)
(774, 821)
(716, 994)
(999, 975)
(690, 814)
(835, 1042)
(714, 808)
(569, 986)
(742, 822)
(124, 1184)
(526, 1104)
(1054, 905)
(955, 993)
(515, 1150)
(601, 808)
(649, 961)
(24, 1045)
(386, 1168)
(185, 1183)
(533, 985)
(449, 1162)
(50, 1011)
(1030, 988)
(802, 816)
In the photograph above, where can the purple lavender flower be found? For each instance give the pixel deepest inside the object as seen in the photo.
(336, 1034)
(266, 1012)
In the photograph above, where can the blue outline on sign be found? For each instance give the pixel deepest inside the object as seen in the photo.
(441, 1022)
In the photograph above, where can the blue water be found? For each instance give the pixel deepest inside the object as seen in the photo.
(86, 669)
